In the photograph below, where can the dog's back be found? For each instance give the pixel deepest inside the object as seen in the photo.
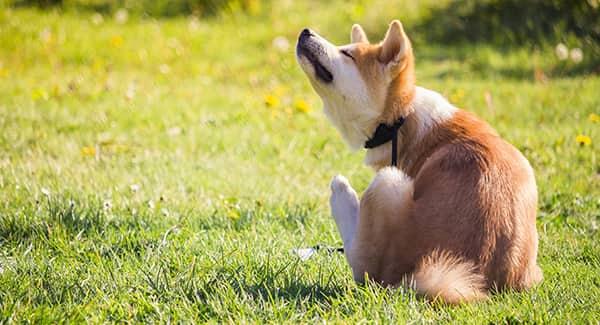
(475, 196)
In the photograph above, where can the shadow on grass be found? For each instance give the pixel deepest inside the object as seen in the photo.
(301, 295)
(297, 291)
(462, 26)
(511, 21)
(62, 217)
(467, 60)
(227, 284)
(267, 280)
(38, 221)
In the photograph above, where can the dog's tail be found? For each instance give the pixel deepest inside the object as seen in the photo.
(443, 277)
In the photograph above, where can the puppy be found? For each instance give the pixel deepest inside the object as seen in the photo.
(451, 211)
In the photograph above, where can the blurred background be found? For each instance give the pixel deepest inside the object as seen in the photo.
(502, 23)
(204, 101)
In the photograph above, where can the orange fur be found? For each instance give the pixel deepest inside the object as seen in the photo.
(447, 278)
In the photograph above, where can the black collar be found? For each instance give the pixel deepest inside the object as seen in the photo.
(383, 134)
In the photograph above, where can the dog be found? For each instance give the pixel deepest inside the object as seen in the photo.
(452, 213)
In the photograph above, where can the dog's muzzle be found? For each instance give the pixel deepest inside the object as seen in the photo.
(310, 48)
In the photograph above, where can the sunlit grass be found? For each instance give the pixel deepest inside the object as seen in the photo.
(161, 170)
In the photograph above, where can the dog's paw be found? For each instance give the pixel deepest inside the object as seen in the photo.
(339, 183)
(344, 208)
(344, 199)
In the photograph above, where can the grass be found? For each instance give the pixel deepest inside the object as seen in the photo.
(143, 178)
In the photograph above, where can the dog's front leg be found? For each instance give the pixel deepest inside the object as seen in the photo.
(345, 209)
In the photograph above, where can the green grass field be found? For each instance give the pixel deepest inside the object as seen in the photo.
(162, 170)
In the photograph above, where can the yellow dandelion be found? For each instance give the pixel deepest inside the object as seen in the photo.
(56, 91)
(40, 94)
(280, 90)
(271, 101)
(301, 106)
(457, 96)
(88, 151)
(119, 148)
(233, 215)
(97, 65)
(594, 118)
(583, 140)
(116, 41)
(253, 7)
(3, 71)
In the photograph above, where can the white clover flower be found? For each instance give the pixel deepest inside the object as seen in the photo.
(8, 262)
(121, 16)
(174, 131)
(173, 42)
(130, 92)
(194, 24)
(134, 188)
(97, 19)
(46, 35)
(562, 51)
(164, 69)
(576, 55)
(143, 54)
(281, 44)
(45, 191)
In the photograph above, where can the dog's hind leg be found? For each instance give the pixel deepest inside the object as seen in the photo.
(344, 208)
(382, 245)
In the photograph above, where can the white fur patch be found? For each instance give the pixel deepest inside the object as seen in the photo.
(349, 107)
(391, 188)
(346, 100)
(430, 108)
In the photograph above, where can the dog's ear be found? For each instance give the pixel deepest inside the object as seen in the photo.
(395, 44)
(358, 35)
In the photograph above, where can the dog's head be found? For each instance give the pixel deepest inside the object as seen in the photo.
(359, 80)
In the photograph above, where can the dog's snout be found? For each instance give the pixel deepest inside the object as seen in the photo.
(305, 33)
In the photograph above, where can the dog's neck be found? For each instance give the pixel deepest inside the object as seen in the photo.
(425, 111)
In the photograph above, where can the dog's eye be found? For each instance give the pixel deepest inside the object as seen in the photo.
(346, 53)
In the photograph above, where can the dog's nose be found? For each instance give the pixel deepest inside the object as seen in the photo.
(305, 33)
